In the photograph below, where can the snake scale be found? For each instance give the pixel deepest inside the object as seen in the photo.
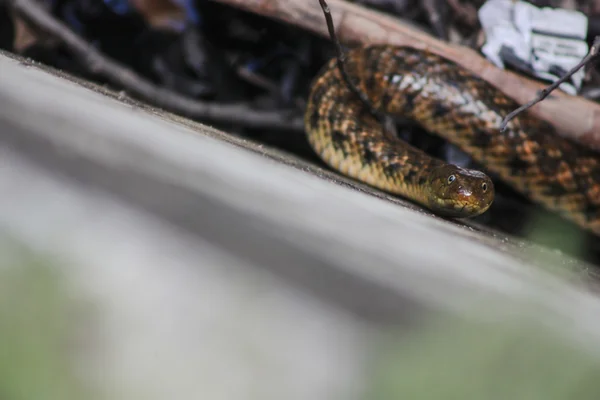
(450, 101)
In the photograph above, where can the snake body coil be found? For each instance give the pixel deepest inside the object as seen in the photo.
(453, 103)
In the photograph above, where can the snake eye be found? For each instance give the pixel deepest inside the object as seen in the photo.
(451, 179)
(484, 187)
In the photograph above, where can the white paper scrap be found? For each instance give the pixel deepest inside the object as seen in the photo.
(544, 42)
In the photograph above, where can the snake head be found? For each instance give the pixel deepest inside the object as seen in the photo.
(459, 192)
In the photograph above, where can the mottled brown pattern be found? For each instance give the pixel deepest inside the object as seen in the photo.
(453, 103)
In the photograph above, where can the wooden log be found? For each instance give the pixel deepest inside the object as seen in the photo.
(340, 241)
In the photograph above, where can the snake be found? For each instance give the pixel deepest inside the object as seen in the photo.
(454, 103)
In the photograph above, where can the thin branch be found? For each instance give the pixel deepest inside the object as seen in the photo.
(593, 53)
(341, 63)
(266, 84)
(121, 76)
(435, 19)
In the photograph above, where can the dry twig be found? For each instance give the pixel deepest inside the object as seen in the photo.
(98, 63)
(593, 53)
(435, 19)
(341, 63)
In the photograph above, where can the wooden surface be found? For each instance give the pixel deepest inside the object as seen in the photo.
(171, 223)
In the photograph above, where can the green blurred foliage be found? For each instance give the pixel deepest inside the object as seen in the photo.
(516, 360)
(35, 329)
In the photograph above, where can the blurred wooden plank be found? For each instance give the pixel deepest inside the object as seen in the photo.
(376, 258)
(167, 314)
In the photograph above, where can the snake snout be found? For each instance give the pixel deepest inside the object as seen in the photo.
(461, 193)
(464, 193)
(468, 203)
(476, 197)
